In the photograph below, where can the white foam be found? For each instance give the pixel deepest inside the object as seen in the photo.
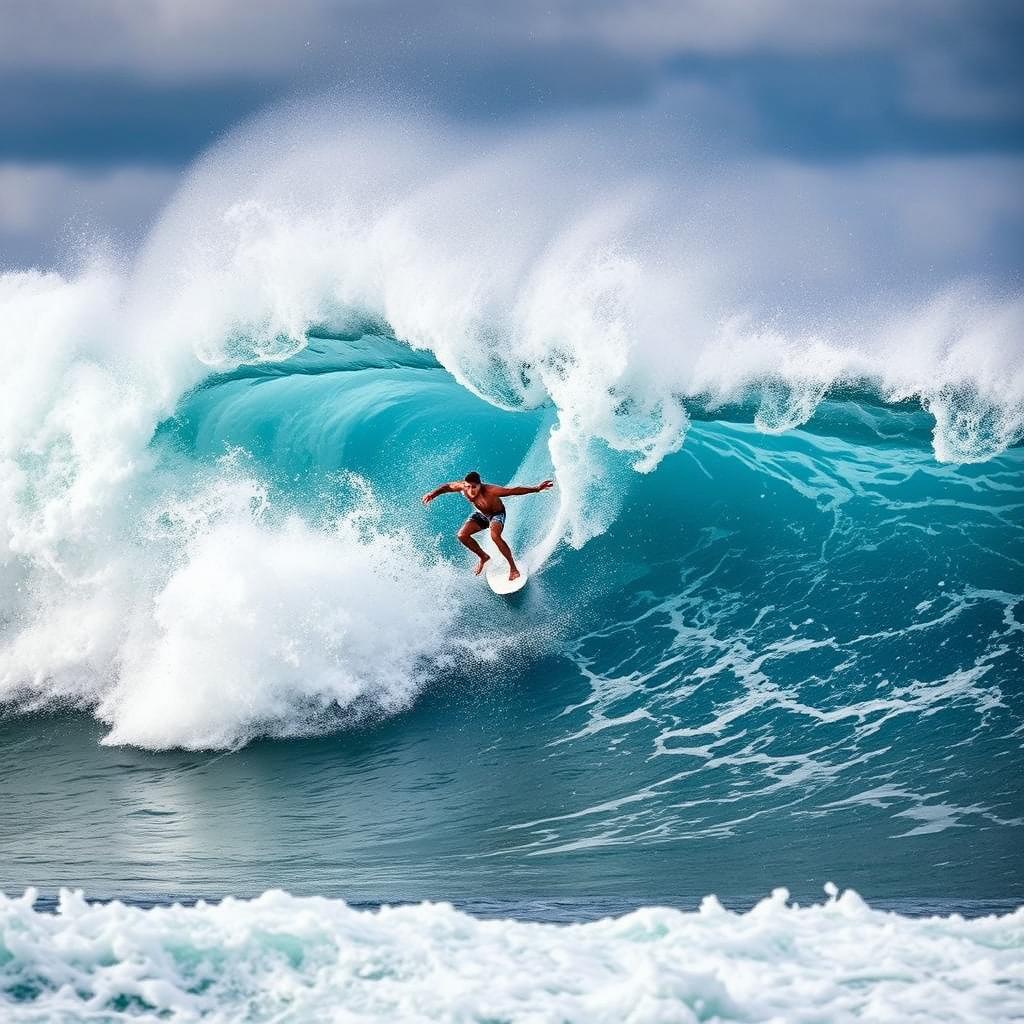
(283, 958)
(224, 618)
(271, 628)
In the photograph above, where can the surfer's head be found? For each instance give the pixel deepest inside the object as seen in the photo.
(473, 482)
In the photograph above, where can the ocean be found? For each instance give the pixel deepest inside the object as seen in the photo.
(746, 747)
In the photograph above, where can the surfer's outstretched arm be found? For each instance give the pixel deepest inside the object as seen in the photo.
(453, 488)
(512, 492)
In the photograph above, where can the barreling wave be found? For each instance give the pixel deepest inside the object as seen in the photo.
(210, 460)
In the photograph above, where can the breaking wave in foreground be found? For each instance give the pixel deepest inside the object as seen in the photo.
(286, 959)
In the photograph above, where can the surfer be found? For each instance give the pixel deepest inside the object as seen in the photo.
(488, 513)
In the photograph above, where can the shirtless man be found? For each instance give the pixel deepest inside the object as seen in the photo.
(488, 513)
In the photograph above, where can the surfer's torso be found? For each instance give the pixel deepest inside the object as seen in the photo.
(486, 501)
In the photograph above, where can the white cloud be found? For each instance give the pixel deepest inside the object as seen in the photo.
(162, 38)
(45, 208)
(657, 27)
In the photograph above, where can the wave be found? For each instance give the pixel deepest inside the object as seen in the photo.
(282, 957)
(209, 459)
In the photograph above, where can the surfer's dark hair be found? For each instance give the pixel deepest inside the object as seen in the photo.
(473, 478)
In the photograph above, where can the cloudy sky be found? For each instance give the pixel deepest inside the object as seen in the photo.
(104, 103)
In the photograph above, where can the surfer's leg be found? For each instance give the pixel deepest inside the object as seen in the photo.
(465, 535)
(499, 543)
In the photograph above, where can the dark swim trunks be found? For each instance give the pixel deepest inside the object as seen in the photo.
(484, 520)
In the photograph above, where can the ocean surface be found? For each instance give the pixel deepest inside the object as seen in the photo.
(771, 645)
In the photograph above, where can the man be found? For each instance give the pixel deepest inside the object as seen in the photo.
(488, 513)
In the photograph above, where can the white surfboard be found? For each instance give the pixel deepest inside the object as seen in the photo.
(498, 581)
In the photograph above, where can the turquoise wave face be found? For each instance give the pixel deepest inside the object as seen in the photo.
(358, 403)
(785, 654)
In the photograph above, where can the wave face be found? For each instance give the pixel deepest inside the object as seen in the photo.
(282, 958)
(778, 585)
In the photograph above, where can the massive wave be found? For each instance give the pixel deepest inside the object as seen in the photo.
(784, 465)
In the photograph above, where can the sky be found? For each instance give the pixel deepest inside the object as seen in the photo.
(105, 103)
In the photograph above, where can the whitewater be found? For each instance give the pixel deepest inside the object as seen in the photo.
(773, 632)
(284, 959)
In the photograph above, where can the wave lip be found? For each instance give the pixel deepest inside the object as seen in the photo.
(280, 957)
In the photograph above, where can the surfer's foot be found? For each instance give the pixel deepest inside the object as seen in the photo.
(513, 575)
(484, 559)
